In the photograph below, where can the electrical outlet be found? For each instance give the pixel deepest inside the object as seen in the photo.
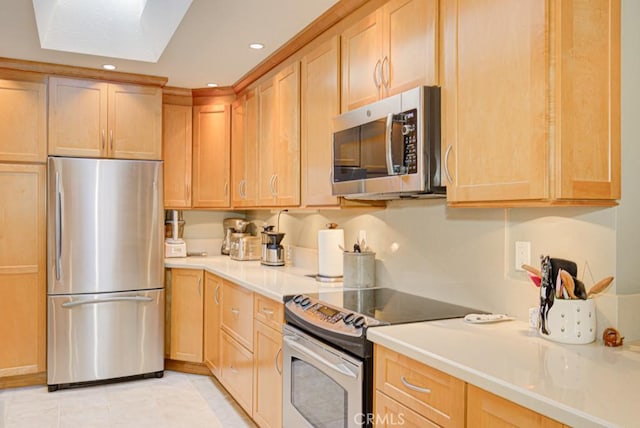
(523, 254)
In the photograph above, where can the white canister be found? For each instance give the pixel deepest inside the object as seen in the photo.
(571, 321)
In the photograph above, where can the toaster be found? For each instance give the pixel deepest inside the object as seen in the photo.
(246, 248)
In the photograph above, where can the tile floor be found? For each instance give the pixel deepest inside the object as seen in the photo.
(177, 400)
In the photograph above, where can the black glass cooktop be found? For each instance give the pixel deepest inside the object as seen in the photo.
(392, 306)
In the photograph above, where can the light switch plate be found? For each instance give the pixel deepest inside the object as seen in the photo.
(523, 254)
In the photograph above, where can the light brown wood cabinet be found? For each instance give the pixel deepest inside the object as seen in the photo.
(389, 51)
(211, 328)
(531, 102)
(89, 118)
(187, 291)
(23, 119)
(430, 393)
(244, 150)
(23, 290)
(267, 376)
(320, 103)
(177, 123)
(236, 371)
(237, 313)
(279, 139)
(485, 409)
(211, 156)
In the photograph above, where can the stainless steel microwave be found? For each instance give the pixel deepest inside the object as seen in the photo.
(389, 149)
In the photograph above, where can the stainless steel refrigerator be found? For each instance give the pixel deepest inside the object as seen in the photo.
(105, 270)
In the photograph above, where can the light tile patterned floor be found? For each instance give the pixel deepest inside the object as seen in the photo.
(175, 401)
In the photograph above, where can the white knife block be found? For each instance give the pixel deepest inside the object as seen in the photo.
(571, 321)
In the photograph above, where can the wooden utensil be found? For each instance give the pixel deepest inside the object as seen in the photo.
(568, 283)
(532, 270)
(600, 286)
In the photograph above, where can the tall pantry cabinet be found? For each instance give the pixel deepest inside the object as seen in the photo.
(22, 224)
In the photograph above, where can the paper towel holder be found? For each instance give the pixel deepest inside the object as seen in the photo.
(330, 279)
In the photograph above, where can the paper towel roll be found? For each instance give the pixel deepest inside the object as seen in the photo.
(329, 252)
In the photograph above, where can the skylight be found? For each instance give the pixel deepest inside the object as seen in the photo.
(128, 29)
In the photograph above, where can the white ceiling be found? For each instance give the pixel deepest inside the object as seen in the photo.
(209, 45)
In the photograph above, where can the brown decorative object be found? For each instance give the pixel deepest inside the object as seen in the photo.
(612, 337)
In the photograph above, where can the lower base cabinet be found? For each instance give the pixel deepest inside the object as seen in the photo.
(411, 394)
(236, 371)
(267, 395)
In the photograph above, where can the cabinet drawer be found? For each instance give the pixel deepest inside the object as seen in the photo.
(430, 392)
(390, 413)
(268, 311)
(236, 371)
(237, 313)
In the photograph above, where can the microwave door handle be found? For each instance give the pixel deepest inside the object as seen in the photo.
(388, 139)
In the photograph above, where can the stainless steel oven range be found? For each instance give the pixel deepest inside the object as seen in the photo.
(327, 359)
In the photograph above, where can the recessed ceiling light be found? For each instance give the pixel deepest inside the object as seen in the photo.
(212, 85)
(109, 66)
(256, 46)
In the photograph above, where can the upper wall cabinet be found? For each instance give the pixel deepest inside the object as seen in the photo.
(23, 120)
(211, 155)
(320, 91)
(279, 139)
(88, 118)
(176, 147)
(244, 144)
(391, 50)
(531, 102)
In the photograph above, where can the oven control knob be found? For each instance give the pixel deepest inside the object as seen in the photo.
(348, 318)
(305, 302)
(358, 322)
(297, 298)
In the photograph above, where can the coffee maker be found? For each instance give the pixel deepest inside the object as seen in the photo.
(272, 250)
(233, 228)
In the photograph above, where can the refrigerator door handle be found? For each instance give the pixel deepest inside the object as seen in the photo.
(58, 221)
(106, 299)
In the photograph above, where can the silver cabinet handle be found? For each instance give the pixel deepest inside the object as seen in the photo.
(241, 188)
(104, 138)
(278, 369)
(226, 189)
(275, 185)
(387, 144)
(446, 163)
(106, 300)
(215, 294)
(303, 350)
(413, 387)
(111, 141)
(233, 369)
(267, 312)
(384, 69)
(188, 190)
(272, 185)
(200, 287)
(376, 74)
(58, 231)
(235, 311)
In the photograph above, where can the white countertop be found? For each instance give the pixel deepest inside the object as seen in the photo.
(578, 385)
(274, 282)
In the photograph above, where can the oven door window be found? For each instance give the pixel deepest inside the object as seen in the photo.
(318, 398)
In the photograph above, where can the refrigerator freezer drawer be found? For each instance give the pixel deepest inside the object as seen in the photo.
(103, 336)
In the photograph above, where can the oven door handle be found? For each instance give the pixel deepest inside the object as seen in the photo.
(295, 345)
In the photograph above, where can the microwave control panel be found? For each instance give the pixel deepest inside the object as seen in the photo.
(409, 131)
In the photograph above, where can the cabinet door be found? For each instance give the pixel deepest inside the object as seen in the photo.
(409, 45)
(495, 85)
(186, 315)
(176, 147)
(236, 372)
(361, 46)
(287, 140)
(487, 410)
(211, 155)
(267, 376)
(320, 91)
(244, 143)
(266, 142)
(135, 122)
(77, 117)
(394, 414)
(587, 100)
(23, 120)
(212, 309)
(23, 290)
